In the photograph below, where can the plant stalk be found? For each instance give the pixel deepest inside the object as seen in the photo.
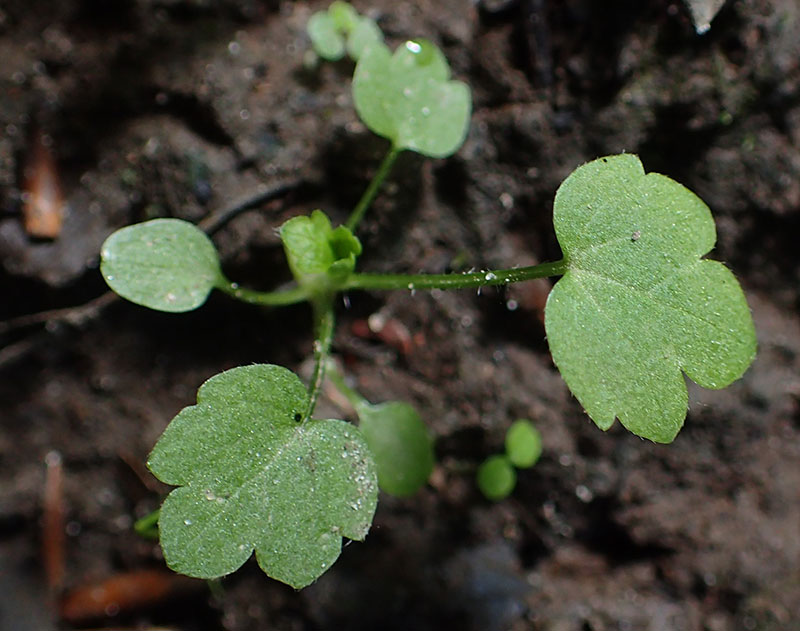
(455, 281)
(337, 379)
(279, 298)
(323, 337)
(366, 199)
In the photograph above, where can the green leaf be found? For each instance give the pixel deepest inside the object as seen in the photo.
(251, 477)
(408, 98)
(496, 477)
(164, 264)
(326, 38)
(637, 304)
(523, 444)
(341, 29)
(365, 33)
(319, 256)
(344, 16)
(400, 444)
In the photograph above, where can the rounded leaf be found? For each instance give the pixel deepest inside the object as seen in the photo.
(164, 264)
(400, 445)
(637, 305)
(523, 444)
(496, 477)
(408, 98)
(326, 38)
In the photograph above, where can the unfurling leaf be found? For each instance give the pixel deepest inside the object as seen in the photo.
(408, 97)
(637, 305)
(252, 477)
(319, 255)
(164, 264)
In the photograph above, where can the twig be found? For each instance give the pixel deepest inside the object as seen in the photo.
(80, 315)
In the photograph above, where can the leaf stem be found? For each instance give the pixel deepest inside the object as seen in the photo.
(337, 379)
(369, 194)
(323, 337)
(455, 281)
(147, 526)
(279, 298)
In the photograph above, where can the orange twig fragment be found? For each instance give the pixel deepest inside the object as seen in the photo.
(43, 201)
(121, 593)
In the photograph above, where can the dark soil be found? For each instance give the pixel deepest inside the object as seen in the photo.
(187, 108)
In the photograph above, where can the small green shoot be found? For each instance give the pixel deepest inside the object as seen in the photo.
(637, 305)
(496, 476)
(523, 444)
(341, 30)
(253, 476)
(164, 264)
(408, 97)
(318, 255)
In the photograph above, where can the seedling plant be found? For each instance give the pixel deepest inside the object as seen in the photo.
(497, 475)
(635, 309)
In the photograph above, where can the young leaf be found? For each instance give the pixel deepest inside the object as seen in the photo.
(408, 98)
(319, 255)
(251, 477)
(637, 304)
(341, 29)
(400, 444)
(496, 477)
(164, 264)
(326, 39)
(523, 444)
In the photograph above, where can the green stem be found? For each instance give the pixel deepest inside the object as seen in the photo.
(147, 526)
(336, 378)
(372, 189)
(266, 298)
(455, 281)
(323, 337)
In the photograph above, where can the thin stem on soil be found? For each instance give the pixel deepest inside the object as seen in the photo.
(278, 298)
(323, 337)
(455, 281)
(366, 199)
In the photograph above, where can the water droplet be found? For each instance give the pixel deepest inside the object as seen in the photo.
(413, 47)
(210, 494)
(490, 276)
(110, 277)
(187, 522)
(426, 111)
(407, 92)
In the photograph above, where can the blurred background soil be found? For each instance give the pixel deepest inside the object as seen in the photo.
(204, 110)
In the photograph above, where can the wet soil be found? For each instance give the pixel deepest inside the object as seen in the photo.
(192, 108)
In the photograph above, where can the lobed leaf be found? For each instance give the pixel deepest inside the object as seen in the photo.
(251, 477)
(400, 444)
(408, 97)
(164, 264)
(637, 305)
